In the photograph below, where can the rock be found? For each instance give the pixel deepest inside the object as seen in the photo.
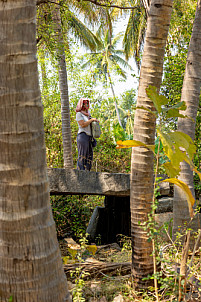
(118, 298)
(95, 287)
(165, 204)
(103, 299)
(164, 188)
(167, 219)
(93, 223)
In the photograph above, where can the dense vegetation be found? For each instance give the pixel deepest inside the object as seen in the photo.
(88, 76)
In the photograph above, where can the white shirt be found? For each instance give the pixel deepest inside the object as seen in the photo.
(79, 117)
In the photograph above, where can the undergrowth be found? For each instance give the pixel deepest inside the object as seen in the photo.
(107, 286)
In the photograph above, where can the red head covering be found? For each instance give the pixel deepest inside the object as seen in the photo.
(80, 107)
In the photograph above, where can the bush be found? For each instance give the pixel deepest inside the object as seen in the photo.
(72, 213)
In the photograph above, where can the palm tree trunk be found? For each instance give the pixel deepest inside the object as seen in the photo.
(31, 267)
(114, 97)
(63, 85)
(190, 94)
(144, 130)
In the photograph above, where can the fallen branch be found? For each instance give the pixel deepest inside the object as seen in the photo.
(96, 268)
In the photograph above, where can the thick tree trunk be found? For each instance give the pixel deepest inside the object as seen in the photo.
(31, 267)
(144, 130)
(63, 85)
(190, 94)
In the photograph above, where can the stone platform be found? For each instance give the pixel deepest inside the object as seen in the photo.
(114, 218)
(75, 182)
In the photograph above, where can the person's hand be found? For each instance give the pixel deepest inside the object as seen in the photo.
(94, 120)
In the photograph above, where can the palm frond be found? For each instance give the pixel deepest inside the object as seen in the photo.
(134, 34)
(116, 39)
(121, 61)
(89, 11)
(81, 32)
(116, 12)
(146, 4)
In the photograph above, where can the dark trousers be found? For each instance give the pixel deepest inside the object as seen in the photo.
(85, 152)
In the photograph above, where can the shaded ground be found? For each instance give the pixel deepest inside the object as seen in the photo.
(102, 274)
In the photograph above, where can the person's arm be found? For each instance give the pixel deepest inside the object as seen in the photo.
(84, 124)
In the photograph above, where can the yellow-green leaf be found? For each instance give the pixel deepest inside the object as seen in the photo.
(174, 154)
(186, 190)
(177, 146)
(134, 143)
(171, 170)
(173, 112)
(146, 109)
(184, 140)
(92, 249)
(158, 100)
(65, 259)
(73, 252)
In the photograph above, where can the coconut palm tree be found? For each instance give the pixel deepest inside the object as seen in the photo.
(108, 58)
(190, 94)
(141, 185)
(31, 267)
(63, 86)
(60, 26)
(135, 31)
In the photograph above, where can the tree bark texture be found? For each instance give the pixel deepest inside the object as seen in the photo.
(63, 86)
(30, 261)
(190, 94)
(144, 130)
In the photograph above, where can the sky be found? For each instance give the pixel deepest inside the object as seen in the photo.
(131, 82)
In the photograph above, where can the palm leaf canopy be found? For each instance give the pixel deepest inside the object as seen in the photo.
(134, 35)
(107, 57)
(73, 16)
(72, 25)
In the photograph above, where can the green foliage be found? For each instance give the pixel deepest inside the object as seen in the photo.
(164, 110)
(52, 120)
(135, 32)
(72, 213)
(176, 51)
(107, 58)
(102, 107)
(71, 25)
(108, 159)
(168, 256)
(161, 155)
(80, 283)
(177, 146)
